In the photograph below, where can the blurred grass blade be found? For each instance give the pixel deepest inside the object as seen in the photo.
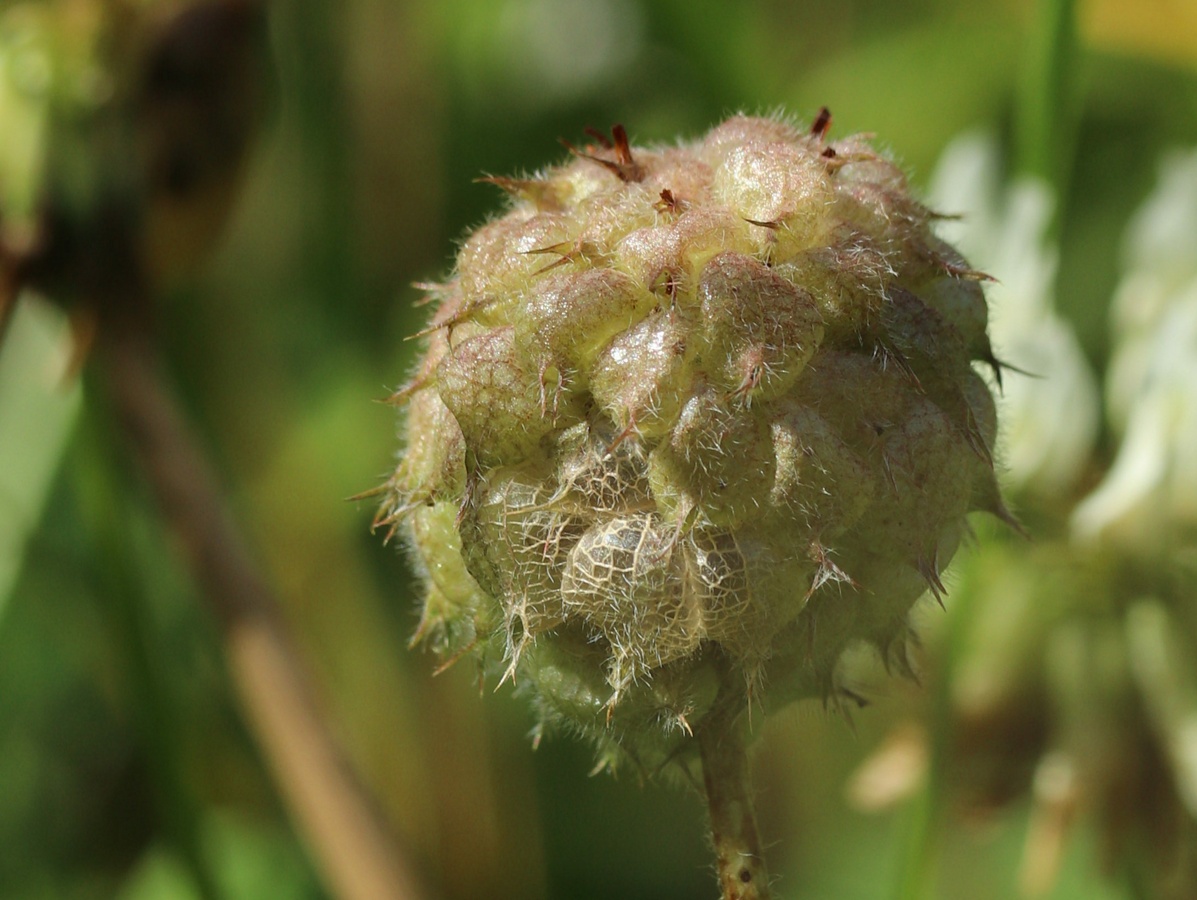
(37, 410)
(1048, 112)
(1163, 668)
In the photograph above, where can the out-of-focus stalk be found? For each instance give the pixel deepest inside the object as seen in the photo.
(331, 808)
(1045, 127)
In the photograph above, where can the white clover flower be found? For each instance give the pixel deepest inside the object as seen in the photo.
(1160, 262)
(1151, 489)
(1048, 423)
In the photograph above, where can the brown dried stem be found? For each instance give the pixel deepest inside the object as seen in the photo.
(739, 862)
(333, 811)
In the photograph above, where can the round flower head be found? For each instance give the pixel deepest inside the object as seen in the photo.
(691, 420)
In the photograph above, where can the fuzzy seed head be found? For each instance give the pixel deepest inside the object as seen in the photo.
(694, 411)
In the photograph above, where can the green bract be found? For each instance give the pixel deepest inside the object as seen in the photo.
(694, 415)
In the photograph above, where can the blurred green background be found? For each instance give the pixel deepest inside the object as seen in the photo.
(124, 767)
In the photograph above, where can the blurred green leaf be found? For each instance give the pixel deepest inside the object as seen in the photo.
(251, 860)
(38, 405)
(158, 876)
(255, 860)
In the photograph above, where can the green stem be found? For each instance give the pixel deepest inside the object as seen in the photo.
(1045, 128)
(917, 866)
(739, 862)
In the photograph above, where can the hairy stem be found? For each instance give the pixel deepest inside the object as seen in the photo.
(333, 811)
(739, 862)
